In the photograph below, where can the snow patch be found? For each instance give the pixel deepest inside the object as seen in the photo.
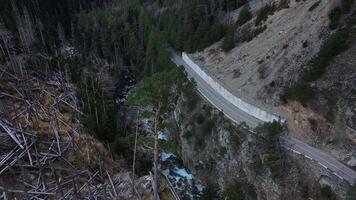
(182, 173)
(162, 135)
(165, 155)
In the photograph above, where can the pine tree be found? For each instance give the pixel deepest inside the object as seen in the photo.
(228, 42)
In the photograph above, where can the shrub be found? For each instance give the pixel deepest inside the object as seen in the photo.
(272, 157)
(334, 45)
(334, 17)
(316, 4)
(305, 191)
(188, 135)
(208, 127)
(233, 192)
(262, 71)
(210, 192)
(351, 193)
(200, 118)
(301, 92)
(229, 40)
(260, 29)
(235, 140)
(170, 146)
(237, 190)
(245, 15)
(283, 4)
(346, 5)
(332, 107)
(327, 193)
(264, 12)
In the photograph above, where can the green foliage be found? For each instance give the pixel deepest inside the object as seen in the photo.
(128, 37)
(153, 91)
(334, 45)
(189, 26)
(272, 157)
(315, 5)
(260, 29)
(192, 98)
(208, 127)
(327, 193)
(210, 192)
(234, 133)
(233, 192)
(271, 129)
(188, 134)
(264, 12)
(301, 92)
(245, 15)
(200, 118)
(334, 17)
(305, 191)
(235, 140)
(283, 4)
(238, 191)
(229, 41)
(122, 146)
(351, 193)
(171, 146)
(346, 5)
(98, 119)
(332, 107)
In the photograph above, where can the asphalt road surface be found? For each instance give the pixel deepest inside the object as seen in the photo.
(235, 114)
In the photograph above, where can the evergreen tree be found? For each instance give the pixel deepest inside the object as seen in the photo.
(228, 42)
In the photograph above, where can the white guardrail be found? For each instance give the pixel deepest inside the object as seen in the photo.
(239, 103)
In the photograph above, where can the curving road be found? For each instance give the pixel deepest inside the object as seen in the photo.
(235, 114)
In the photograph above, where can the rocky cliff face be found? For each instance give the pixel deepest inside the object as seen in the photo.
(329, 121)
(219, 154)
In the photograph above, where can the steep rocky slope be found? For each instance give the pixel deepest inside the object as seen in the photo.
(256, 70)
(227, 157)
(261, 66)
(330, 120)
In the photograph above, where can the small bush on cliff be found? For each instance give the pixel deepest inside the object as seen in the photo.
(200, 118)
(238, 190)
(264, 12)
(208, 127)
(301, 92)
(346, 5)
(283, 4)
(245, 15)
(351, 193)
(229, 40)
(210, 192)
(327, 193)
(260, 29)
(334, 17)
(190, 95)
(233, 192)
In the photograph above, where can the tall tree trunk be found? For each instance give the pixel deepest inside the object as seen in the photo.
(134, 156)
(155, 153)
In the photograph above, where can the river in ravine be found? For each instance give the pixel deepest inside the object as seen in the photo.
(170, 166)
